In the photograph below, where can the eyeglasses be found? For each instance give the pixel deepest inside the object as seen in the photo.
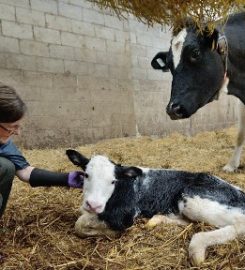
(10, 131)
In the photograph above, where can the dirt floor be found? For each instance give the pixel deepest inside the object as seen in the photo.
(37, 230)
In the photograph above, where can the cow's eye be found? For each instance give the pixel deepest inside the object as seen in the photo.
(113, 182)
(195, 54)
(85, 175)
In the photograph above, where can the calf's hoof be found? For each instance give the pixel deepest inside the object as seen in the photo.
(197, 250)
(154, 221)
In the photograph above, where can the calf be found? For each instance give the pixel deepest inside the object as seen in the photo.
(115, 195)
(202, 63)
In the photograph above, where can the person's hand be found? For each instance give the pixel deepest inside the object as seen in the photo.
(75, 179)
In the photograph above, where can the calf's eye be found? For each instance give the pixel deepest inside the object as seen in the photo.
(113, 182)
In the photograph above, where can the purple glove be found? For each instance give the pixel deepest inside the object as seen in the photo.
(75, 179)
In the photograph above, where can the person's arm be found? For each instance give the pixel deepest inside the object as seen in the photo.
(40, 177)
(24, 174)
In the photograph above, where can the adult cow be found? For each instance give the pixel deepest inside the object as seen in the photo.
(202, 63)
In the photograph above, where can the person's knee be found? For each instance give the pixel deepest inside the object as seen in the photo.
(7, 169)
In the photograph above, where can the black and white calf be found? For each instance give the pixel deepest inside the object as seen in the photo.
(203, 63)
(115, 195)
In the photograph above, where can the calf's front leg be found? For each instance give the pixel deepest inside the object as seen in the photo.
(169, 219)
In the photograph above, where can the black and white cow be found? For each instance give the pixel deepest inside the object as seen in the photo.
(201, 65)
(115, 195)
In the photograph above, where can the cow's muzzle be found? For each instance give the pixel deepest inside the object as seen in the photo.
(175, 111)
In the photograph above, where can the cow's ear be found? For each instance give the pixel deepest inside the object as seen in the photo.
(77, 159)
(211, 39)
(160, 61)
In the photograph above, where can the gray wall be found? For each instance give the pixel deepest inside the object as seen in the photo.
(86, 76)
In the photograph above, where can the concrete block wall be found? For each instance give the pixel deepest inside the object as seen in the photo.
(85, 75)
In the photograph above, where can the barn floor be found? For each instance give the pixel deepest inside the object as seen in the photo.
(37, 230)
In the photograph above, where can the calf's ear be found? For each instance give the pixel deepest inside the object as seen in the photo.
(131, 172)
(160, 61)
(77, 159)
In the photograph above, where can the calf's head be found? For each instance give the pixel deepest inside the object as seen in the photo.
(101, 177)
(197, 69)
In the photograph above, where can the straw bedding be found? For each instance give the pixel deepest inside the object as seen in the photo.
(37, 230)
(174, 12)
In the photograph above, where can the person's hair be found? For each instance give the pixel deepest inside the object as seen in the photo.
(12, 108)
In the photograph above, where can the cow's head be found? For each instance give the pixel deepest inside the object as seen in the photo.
(197, 69)
(101, 177)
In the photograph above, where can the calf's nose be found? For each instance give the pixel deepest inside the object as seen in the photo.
(93, 206)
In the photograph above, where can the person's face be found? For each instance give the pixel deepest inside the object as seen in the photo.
(9, 129)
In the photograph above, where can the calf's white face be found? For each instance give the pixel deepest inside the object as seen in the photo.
(99, 184)
(100, 178)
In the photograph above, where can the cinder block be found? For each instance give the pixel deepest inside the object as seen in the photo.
(70, 11)
(83, 28)
(122, 36)
(92, 16)
(58, 23)
(49, 6)
(3, 60)
(133, 38)
(137, 26)
(50, 65)
(9, 45)
(11, 77)
(153, 75)
(7, 12)
(83, 54)
(138, 50)
(78, 67)
(86, 83)
(38, 79)
(113, 22)
(105, 32)
(120, 72)
(29, 16)
(31, 93)
(145, 39)
(64, 81)
(18, 3)
(47, 35)
(139, 73)
(34, 48)
(114, 59)
(70, 39)
(18, 61)
(94, 43)
(115, 47)
(12, 29)
(63, 52)
(101, 71)
(144, 62)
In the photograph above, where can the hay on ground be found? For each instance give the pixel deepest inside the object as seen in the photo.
(37, 230)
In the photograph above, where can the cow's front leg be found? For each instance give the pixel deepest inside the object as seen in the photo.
(234, 162)
(89, 225)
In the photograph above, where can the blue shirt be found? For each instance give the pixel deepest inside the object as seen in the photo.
(12, 153)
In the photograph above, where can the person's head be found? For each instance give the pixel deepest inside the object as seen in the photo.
(12, 110)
